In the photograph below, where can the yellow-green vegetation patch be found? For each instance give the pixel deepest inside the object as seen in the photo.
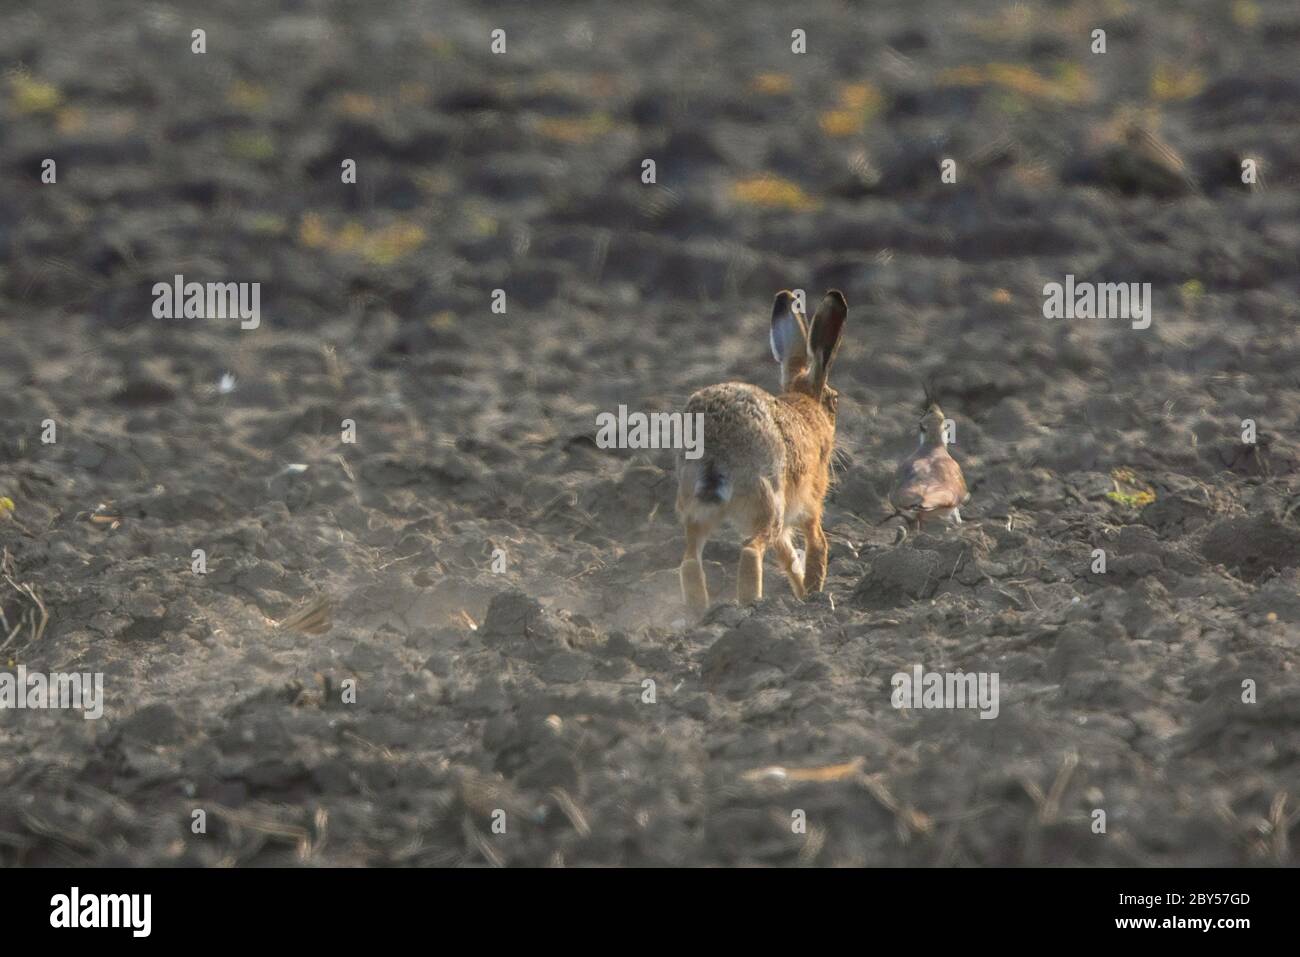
(1130, 491)
(576, 130)
(29, 95)
(859, 104)
(1192, 292)
(1245, 13)
(1069, 83)
(1170, 82)
(381, 246)
(249, 97)
(771, 84)
(251, 147)
(356, 105)
(772, 192)
(267, 224)
(481, 224)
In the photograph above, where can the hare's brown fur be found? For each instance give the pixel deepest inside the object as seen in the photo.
(766, 460)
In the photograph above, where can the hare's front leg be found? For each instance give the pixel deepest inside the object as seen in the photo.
(749, 581)
(814, 573)
(783, 548)
(762, 514)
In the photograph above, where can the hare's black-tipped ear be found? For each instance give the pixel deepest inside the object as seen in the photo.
(931, 394)
(789, 337)
(825, 333)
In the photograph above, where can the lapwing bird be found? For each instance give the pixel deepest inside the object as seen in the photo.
(1151, 163)
(1127, 154)
(929, 484)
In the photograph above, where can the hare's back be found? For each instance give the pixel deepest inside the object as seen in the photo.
(740, 426)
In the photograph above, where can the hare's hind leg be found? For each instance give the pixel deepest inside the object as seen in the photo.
(695, 589)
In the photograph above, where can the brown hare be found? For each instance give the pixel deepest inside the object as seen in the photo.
(766, 459)
(929, 483)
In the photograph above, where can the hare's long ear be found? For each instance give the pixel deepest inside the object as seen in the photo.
(931, 393)
(789, 338)
(824, 337)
